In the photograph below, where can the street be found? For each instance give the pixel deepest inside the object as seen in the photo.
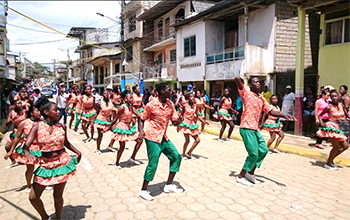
(293, 187)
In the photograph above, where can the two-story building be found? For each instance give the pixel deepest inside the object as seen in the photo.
(4, 46)
(233, 39)
(13, 60)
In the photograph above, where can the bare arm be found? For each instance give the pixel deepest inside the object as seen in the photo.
(347, 102)
(29, 142)
(16, 140)
(116, 116)
(263, 120)
(325, 110)
(239, 82)
(68, 145)
(346, 113)
(317, 106)
(280, 115)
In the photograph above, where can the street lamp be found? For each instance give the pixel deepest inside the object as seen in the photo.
(102, 15)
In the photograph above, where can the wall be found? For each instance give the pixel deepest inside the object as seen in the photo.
(225, 70)
(195, 69)
(97, 35)
(135, 64)
(334, 67)
(214, 36)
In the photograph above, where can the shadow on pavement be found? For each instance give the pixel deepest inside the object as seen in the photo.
(234, 173)
(318, 163)
(157, 189)
(17, 189)
(19, 208)
(79, 211)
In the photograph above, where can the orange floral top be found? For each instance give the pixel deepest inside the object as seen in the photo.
(17, 118)
(227, 103)
(126, 117)
(117, 99)
(50, 141)
(106, 110)
(253, 105)
(200, 102)
(72, 100)
(87, 102)
(78, 106)
(336, 113)
(190, 113)
(137, 99)
(156, 117)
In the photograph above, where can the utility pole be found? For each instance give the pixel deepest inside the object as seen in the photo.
(67, 69)
(54, 66)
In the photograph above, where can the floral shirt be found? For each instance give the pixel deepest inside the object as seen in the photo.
(156, 117)
(50, 141)
(253, 105)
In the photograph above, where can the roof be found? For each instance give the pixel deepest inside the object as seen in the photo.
(86, 46)
(115, 56)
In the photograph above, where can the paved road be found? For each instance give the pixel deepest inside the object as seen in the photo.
(293, 187)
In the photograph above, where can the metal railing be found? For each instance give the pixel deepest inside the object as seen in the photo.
(161, 71)
(229, 54)
(151, 40)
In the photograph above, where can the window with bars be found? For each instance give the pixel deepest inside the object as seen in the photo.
(132, 23)
(172, 56)
(190, 46)
(337, 32)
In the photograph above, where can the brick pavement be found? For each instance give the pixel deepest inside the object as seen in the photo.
(99, 191)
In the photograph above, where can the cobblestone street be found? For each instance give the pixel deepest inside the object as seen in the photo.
(293, 187)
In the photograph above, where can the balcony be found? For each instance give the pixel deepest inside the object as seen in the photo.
(162, 72)
(152, 44)
(230, 54)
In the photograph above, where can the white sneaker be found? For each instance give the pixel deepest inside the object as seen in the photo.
(334, 165)
(221, 140)
(330, 167)
(146, 195)
(252, 178)
(98, 152)
(134, 161)
(12, 165)
(172, 188)
(76, 133)
(276, 151)
(27, 190)
(112, 149)
(118, 167)
(184, 157)
(229, 139)
(49, 188)
(243, 181)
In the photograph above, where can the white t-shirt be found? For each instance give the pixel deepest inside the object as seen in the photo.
(62, 100)
(98, 98)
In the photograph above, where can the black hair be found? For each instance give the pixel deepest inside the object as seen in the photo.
(324, 92)
(43, 104)
(229, 89)
(187, 94)
(251, 79)
(273, 95)
(345, 87)
(124, 93)
(160, 87)
(204, 91)
(134, 88)
(265, 86)
(30, 110)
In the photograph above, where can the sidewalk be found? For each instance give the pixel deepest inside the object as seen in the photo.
(293, 144)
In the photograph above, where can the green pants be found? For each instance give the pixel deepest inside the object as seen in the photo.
(77, 120)
(154, 151)
(256, 147)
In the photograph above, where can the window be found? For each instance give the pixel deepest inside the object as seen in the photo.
(190, 46)
(117, 68)
(337, 32)
(167, 27)
(160, 29)
(180, 15)
(132, 23)
(129, 54)
(172, 56)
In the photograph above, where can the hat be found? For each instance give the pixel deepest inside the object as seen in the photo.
(36, 88)
(93, 89)
(110, 87)
(288, 87)
(329, 87)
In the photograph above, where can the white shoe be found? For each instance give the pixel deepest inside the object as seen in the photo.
(112, 149)
(334, 165)
(229, 139)
(276, 151)
(76, 133)
(134, 161)
(98, 152)
(252, 178)
(221, 140)
(330, 167)
(192, 157)
(27, 190)
(12, 165)
(118, 167)
(243, 181)
(146, 195)
(172, 188)
(49, 188)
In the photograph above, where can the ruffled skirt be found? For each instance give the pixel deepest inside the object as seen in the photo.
(273, 126)
(89, 115)
(116, 108)
(70, 109)
(224, 115)
(102, 123)
(124, 132)
(19, 156)
(200, 115)
(56, 170)
(190, 128)
(331, 131)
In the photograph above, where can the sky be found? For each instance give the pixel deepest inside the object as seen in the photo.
(41, 44)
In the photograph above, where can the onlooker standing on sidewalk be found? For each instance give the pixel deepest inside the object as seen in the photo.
(308, 111)
(345, 98)
(266, 94)
(288, 105)
(61, 102)
(321, 104)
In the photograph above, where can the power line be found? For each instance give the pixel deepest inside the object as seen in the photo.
(42, 42)
(31, 29)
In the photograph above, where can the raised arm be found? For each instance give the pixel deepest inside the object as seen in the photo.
(263, 120)
(239, 82)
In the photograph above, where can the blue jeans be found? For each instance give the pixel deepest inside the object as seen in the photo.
(64, 114)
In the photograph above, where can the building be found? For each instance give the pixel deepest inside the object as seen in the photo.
(233, 39)
(5, 76)
(14, 61)
(159, 37)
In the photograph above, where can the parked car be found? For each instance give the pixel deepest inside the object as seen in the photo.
(47, 92)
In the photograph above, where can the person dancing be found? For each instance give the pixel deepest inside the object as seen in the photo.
(137, 103)
(77, 112)
(157, 115)
(71, 105)
(123, 131)
(224, 112)
(24, 128)
(273, 125)
(330, 129)
(201, 106)
(56, 165)
(189, 126)
(254, 103)
(88, 113)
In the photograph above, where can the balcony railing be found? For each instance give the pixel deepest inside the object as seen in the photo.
(167, 70)
(230, 54)
(151, 40)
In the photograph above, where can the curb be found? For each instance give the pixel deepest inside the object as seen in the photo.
(292, 150)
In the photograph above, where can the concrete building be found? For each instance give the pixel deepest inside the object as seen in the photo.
(5, 76)
(232, 39)
(13, 61)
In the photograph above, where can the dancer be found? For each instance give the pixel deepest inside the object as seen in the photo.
(24, 128)
(103, 119)
(117, 102)
(273, 125)
(224, 112)
(88, 113)
(254, 143)
(157, 114)
(16, 116)
(321, 104)
(56, 165)
(123, 131)
(201, 106)
(189, 126)
(71, 103)
(77, 112)
(330, 129)
(137, 102)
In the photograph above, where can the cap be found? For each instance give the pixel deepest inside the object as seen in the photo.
(288, 87)
(189, 87)
(109, 87)
(93, 89)
(329, 87)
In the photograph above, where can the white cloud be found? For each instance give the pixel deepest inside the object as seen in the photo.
(61, 15)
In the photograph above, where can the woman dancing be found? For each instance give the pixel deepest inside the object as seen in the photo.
(273, 125)
(330, 129)
(137, 102)
(123, 131)
(224, 112)
(88, 113)
(201, 106)
(71, 105)
(189, 127)
(77, 112)
(103, 119)
(24, 128)
(56, 165)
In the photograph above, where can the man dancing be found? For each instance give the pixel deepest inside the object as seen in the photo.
(157, 114)
(254, 143)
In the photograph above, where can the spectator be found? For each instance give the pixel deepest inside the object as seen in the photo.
(239, 109)
(308, 111)
(61, 102)
(288, 105)
(344, 98)
(36, 94)
(97, 96)
(206, 97)
(266, 93)
(321, 104)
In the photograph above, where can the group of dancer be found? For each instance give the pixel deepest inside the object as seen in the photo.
(43, 139)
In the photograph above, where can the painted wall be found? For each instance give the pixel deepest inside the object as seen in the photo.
(214, 36)
(333, 63)
(191, 68)
(135, 64)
